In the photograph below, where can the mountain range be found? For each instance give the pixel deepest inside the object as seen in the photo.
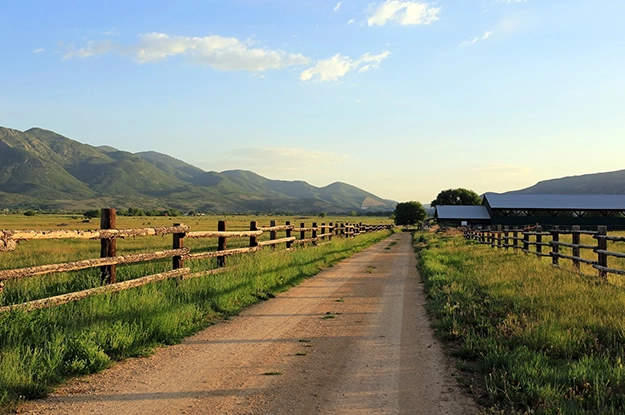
(610, 183)
(43, 169)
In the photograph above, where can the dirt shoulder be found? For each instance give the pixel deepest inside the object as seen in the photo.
(355, 339)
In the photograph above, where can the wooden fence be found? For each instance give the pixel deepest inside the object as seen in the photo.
(108, 261)
(548, 244)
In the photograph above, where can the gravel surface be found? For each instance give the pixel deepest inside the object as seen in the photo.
(355, 339)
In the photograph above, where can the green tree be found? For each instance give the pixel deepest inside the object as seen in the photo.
(409, 213)
(457, 196)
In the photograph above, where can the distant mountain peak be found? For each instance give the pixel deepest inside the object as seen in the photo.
(39, 167)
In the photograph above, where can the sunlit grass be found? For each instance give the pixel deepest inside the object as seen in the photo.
(544, 340)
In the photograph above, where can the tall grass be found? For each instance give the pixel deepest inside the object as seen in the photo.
(543, 340)
(41, 348)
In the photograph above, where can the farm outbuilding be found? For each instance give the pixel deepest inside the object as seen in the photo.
(462, 215)
(587, 211)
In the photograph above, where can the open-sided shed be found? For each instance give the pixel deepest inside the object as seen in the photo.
(462, 215)
(588, 211)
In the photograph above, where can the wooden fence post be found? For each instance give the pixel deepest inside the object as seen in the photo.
(506, 240)
(221, 243)
(539, 239)
(577, 237)
(499, 239)
(555, 248)
(253, 227)
(602, 245)
(526, 242)
(323, 231)
(302, 234)
(273, 234)
(288, 234)
(314, 232)
(178, 262)
(515, 241)
(108, 246)
(330, 231)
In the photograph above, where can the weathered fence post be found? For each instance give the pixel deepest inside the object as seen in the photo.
(288, 234)
(499, 239)
(273, 234)
(253, 227)
(178, 262)
(539, 240)
(526, 241)
(323, 231)
(330, 231)
(221, 243)
(302, 234)
(314, 233)
(515, 240)
(108, 246)
(602, 245)
(555, 248)
(506, 239)
(577, 237)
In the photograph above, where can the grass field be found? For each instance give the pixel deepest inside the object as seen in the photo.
(530, 338)
(41, 348)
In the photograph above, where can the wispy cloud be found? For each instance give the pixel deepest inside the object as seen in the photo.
(404, 13)
(39, 50)
(217, 52)
(350, 21)
(337, 7)
(485, 36)
(337, 66)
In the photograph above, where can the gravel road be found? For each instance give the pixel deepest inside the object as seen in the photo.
(355, 339)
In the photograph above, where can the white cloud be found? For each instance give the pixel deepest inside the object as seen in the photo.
(404, 13)
(485, 36)
(222, 53)
(333, 68)
(350, 21)
(39, 50)
(337, 7)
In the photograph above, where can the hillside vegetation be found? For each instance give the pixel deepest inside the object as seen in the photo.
(43, 169)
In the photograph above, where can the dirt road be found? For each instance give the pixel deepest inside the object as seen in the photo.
(354, 339)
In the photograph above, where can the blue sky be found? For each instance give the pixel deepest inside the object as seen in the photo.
(400, 98)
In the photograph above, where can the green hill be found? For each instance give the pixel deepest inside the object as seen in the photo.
(42, 168)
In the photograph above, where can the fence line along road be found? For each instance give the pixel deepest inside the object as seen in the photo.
(533, 240)
(179, 253)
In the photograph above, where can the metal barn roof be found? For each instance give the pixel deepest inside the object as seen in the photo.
(555, 202)
(462, 212)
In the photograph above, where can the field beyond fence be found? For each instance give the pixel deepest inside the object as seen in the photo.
(583, 250)
(256, 238)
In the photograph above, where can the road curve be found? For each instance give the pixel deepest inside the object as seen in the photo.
(355, 339)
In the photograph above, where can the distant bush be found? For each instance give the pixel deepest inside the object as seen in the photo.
(30, 213)
(95, 213)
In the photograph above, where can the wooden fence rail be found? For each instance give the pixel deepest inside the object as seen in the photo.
(108, 234)
(533, 241)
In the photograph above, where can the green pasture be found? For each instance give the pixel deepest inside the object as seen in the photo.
(530, 338)
(41, 348)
